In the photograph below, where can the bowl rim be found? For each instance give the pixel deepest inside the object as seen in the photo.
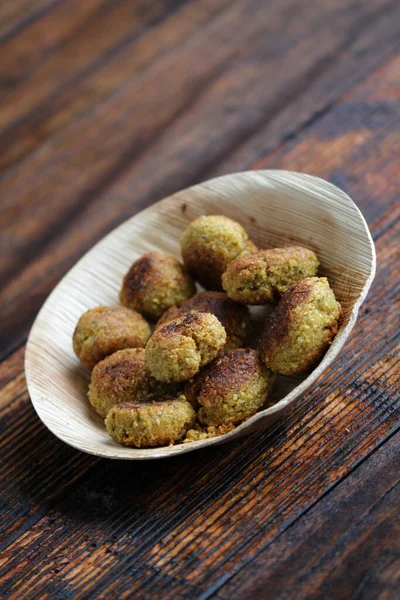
(271, 411)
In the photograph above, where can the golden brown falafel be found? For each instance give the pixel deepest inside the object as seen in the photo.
(261, 277)
(123, 377)
(301, 327)
(154, 283)
(176, 351)
(103, 330)
(233, 316)
(209, 244)
(158, 422)
(230, 389)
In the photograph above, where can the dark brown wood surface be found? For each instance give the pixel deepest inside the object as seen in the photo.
(107, 106)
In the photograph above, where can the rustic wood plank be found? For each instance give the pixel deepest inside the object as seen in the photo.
(29, 454)
(113, 117)
(129, 527)
(352, 63)
(347, 546)
(25, 51)
(203, 525)
(37, 112)
(11, 368)
(159, 170)
(97, 38)
(347, 148)
(17, 14)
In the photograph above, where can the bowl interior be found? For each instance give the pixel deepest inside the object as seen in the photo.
(276, 207)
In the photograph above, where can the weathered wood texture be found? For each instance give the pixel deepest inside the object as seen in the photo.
(118, 143)
(107, 106)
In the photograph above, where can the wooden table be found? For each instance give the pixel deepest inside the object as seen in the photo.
(107, 106)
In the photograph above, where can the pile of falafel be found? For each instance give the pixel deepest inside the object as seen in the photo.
(194, 377)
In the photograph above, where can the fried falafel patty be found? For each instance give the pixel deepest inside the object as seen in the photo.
(233, 316)
(209, 244)
(176, 351)
(103, 330)
(261, 277)
(232, 388)
(123, 377)
(301, 327)
(152, 423)
(154, 283)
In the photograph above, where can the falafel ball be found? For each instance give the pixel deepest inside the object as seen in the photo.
(261, 277)
(301, 328)
(123, 377)
(154, 283)
(231, 389)
(152, 423)
(177, 350)
(233, 316)
(103, 330)
(209, 244)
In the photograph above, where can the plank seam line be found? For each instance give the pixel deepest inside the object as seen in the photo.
(67, 218)
(35, 16)
(45, 58)
(349, 531)
(385, 228)
(13, 350)
(367, 456)
(45, 508)
(240, 549)
(91, 69)
(320, 113)
(332, 550)
(208, 594)
(207, 171)
(366, 22)
(9, 171)
(129, 158)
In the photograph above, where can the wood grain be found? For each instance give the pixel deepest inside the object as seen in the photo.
(153, 168)
(353, 531)
(308, 509)
(42, 111)
(23, 53)
(16, 15)
(35, 481)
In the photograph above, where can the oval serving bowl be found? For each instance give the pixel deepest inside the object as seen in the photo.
(277, 208)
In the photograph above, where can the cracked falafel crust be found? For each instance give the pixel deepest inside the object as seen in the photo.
(301, 328)
(261, 277)
(176, 351)
(103, 330)
(154, 283)
(233, 316)
(209, 244)
(149, 424)
(123, 377)
(231, 389)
